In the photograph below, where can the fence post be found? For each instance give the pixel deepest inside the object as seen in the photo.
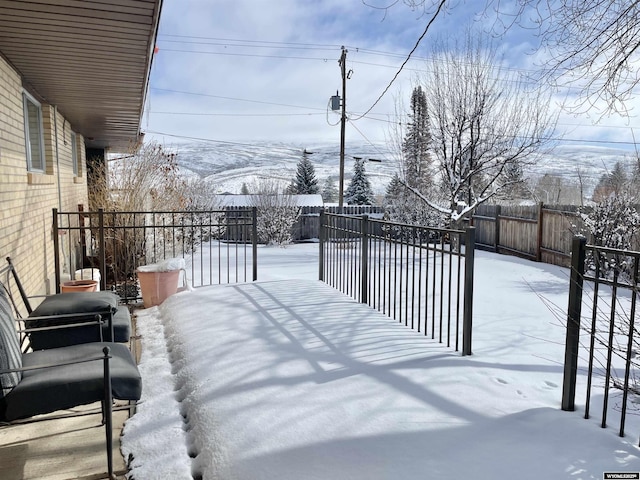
(364, 261)
(254, 241)
(56, 249)
(540, 237)
(321, 234)
(578, 253)
(103, 250)
(469, 256)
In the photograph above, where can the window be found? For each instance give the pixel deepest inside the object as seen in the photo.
(33, 133)
(74, 155)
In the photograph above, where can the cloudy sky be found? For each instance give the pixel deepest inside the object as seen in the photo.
(264, 70)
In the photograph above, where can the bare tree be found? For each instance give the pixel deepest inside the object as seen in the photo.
(148, 179)
(591, 44)
(484, 122)
(277, 213)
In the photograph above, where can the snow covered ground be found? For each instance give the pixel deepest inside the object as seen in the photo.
(287, 378)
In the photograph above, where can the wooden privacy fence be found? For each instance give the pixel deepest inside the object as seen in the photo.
(538, 232)
(308, 225)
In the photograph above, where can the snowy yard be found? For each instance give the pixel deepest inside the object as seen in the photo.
(287, 378)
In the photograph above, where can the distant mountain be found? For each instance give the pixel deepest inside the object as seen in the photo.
(226, 166)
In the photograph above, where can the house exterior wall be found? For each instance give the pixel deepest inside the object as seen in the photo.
(27, 199)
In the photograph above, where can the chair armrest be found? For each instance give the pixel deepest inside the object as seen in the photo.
(25, 342)
(99, 320)
(106, 356)
(67, 316)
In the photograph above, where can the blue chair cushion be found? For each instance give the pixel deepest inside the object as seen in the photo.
(50, 389)
(92, 303)
(77, 302)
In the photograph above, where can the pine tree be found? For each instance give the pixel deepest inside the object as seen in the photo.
(359, 191)
(402, 206)
(514, 182)
(394, 189)
(306, 182)
(244, 190)
(415, 146)
(613, 182)
(330, 191)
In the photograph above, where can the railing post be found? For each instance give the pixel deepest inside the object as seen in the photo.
(321, 234)
(576, 278)
(254, 243)
(103, 250)
(364, 261)
(107, 410)
(56, 249)
(469, 257)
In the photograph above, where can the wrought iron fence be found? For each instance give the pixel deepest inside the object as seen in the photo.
(217, 246)
(420, 276)
(603, 296)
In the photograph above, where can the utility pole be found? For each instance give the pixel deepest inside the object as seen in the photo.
(343, 120)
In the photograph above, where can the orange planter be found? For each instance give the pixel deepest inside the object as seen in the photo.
(157, 286)
(79, 286)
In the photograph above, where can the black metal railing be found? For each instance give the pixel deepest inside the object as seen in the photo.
(603, 296)
(217, 246)
(420, 276)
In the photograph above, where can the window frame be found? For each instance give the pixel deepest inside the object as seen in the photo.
(74, 154)
(26, 99)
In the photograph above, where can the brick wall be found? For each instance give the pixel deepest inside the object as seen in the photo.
(26, 199)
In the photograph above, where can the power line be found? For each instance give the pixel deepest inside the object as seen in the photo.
(327, 45)
(369, 116)
(227, 54)
(415, 47)
(240, 45)
(234, 98)
(369, 141)
(299, 45)
(238, 114)
(207, 140)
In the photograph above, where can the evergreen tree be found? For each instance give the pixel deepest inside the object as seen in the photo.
(306, 182)
(401, 203)
(291, 189)
(514, 181)
(330, 191)
(244, 190)
(403, 206)
(394, 189)
(415, 146)
(614, 182)
(359, 191)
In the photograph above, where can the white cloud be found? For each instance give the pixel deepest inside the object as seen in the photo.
(223, 72)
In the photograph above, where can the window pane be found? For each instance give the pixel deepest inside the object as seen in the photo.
(34, 136)
(74, 154)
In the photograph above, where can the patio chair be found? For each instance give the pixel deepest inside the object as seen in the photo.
(70, 308)
(48, 381)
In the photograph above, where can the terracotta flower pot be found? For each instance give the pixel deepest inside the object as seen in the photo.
(157, 286)
(79, 286)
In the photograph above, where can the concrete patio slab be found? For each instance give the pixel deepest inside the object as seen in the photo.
(60, 449)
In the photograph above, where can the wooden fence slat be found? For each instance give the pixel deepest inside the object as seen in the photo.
(539, 232)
